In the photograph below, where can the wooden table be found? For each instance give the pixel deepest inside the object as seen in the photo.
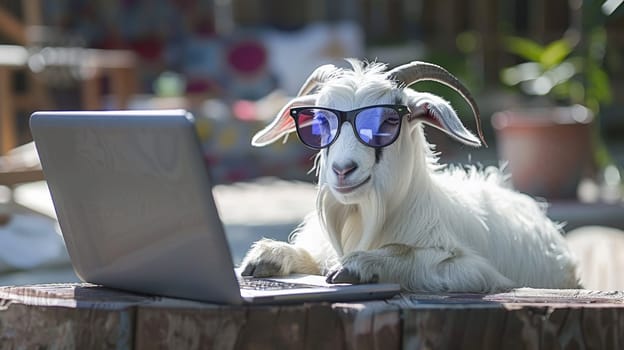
(84, 316)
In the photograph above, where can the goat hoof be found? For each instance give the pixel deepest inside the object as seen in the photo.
(343, 275)
(261, 269)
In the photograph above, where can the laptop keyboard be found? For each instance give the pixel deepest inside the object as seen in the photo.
(267, 284)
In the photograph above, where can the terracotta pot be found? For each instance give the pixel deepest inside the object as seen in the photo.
(549, 150)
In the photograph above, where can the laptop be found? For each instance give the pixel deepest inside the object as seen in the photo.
(133, 198)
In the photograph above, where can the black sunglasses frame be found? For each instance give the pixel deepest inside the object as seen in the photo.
(349, 116)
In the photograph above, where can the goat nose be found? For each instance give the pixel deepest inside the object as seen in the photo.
(344, 170)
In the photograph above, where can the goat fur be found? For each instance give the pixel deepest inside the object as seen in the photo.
(426, 226)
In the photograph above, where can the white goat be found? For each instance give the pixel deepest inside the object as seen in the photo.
(394, 214)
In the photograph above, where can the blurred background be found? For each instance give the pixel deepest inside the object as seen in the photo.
(548, 77)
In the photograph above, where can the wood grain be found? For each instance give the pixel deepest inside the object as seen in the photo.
(373, 325)
(521, 319)
(25, 326)
(88, 316)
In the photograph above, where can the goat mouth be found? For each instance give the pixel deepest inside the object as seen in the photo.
(347, 189)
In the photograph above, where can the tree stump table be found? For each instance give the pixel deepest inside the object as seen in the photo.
(85, 316)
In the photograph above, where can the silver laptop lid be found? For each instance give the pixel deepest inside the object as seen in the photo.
(134, 202)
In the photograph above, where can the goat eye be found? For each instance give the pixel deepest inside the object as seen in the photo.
(392, 120)
(317, 128)
(378, 126)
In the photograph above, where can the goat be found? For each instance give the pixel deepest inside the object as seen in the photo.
(394, 214)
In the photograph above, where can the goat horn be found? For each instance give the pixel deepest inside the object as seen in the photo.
(319, 76)
(413, 72)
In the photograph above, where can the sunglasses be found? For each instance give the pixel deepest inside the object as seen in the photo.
(375, 126)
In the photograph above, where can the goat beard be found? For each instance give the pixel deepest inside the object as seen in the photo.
(352, 227)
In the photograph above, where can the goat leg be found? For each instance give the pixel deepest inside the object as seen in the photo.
(343, 275)
(273, 258)
(421, 269)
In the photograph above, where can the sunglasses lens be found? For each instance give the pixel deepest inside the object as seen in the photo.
(378, 126)
(317, 127)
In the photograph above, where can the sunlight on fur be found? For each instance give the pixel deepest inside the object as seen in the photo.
(404, 217)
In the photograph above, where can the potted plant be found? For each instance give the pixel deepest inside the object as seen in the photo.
(554, 143)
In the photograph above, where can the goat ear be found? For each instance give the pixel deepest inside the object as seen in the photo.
(437, 112)
(283, 124)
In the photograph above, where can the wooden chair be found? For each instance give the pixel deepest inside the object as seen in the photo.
(33, 43)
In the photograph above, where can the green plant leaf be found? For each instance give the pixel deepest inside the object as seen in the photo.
(525, 48)
(599, 85)
(555, 53)
(520, 73)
